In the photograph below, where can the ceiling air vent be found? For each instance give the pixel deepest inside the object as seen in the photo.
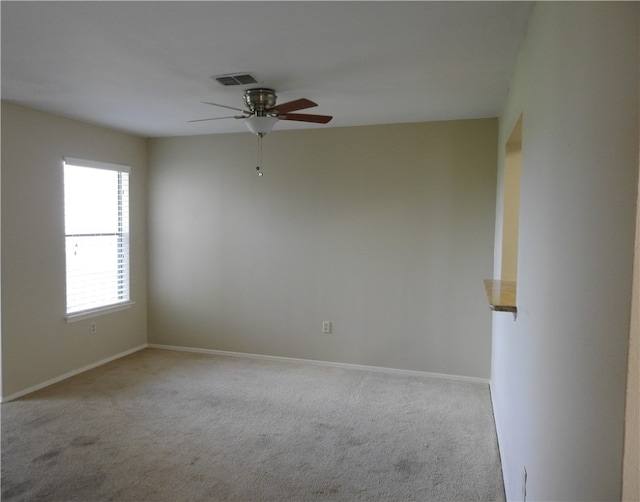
(232, 79)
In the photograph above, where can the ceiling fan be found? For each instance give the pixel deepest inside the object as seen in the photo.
(263, 112)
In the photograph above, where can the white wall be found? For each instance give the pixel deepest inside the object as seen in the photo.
(387, 231)
(558, 371)
(37, 343)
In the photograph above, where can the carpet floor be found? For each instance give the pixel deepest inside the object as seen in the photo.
(162, 425)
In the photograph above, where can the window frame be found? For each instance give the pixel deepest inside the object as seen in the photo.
(117, 305)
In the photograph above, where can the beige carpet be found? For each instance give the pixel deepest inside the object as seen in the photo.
(174, 426)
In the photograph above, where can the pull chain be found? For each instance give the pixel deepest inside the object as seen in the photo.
(260, 173)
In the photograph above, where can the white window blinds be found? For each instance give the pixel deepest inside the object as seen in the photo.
(96, 219)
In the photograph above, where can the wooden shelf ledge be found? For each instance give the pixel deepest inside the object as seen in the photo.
(501, 295)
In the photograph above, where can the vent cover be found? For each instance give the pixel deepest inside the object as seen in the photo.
(232, 79)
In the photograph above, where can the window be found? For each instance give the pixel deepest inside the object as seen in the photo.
(96, 221)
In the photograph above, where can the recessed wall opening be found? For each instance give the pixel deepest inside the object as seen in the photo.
(511, 207)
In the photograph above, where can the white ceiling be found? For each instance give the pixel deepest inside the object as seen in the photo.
(145, 67)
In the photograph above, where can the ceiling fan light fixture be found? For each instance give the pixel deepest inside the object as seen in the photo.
(260, 125)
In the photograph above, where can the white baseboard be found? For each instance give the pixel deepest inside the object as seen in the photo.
(29, 390)
(322, 363)
(380, 369)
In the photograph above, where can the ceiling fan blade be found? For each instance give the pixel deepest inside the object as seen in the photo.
(305, 117)
(292, 106)
(225, 106)
(218, 118)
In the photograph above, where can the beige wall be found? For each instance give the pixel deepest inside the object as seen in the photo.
(559, 370)
(386, 231)
(631, 479)
(37, 343)
(631, 466)
(510, 214)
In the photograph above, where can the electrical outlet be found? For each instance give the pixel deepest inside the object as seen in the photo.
(524, 484)
(326, 326)
(93, 328)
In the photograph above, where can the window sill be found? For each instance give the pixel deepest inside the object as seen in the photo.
(87, 314)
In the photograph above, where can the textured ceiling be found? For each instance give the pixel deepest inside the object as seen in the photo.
(145, 67)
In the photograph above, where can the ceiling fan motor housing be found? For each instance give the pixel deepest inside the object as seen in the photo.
(260, 100)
